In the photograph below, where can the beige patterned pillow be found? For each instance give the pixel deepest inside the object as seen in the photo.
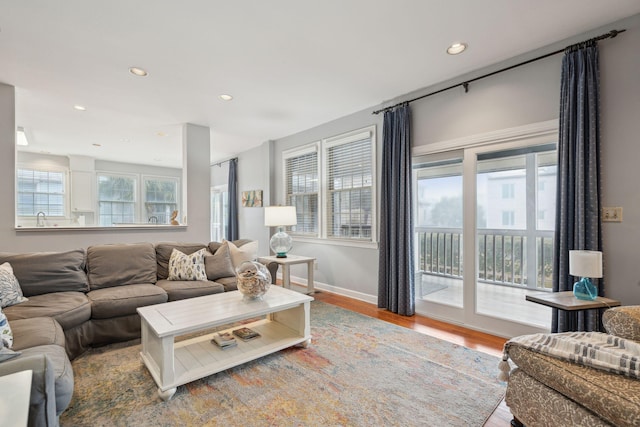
(623, 322)
(10, 291)
(187, 267)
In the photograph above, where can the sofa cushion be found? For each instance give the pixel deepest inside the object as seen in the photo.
(623, 322)
(163, 254)
(36, 331)
(63, 373)
(214, 246)
(178, 290)
(70, 309)
(10, 292)
(229, 283)
(44, 272)
(187, 267)
(613, 397)
(219, 264)
(121, 265)
(124, 300)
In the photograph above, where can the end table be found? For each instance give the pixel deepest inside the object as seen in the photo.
(286, 263)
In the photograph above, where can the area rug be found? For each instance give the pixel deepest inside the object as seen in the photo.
(359, 371)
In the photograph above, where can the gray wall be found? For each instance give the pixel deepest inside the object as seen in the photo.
(197, 160)
(522, 96)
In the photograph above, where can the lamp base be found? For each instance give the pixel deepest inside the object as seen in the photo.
(585, 290)
(281, 243)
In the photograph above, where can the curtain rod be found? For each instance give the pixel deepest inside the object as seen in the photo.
(465, 84)
(220, 163)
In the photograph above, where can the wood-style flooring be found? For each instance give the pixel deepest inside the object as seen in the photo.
(480, 341)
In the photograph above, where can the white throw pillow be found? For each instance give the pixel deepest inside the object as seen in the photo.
(246, 252)
(187, 267)
(10, 291)
(6, 336)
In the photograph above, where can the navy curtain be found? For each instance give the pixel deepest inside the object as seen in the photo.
(578, 219)
(396, 289)
(233, 231)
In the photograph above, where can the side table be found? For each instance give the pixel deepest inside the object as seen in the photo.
(286, 273)
(566, 301)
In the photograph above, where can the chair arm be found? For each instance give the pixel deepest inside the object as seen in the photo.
(623, 322)
(42, 403)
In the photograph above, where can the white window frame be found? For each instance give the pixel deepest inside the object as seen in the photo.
(143, 193)
(298, 152)
(321, 147)
(343, 139)
(136, 196)
(55, 169)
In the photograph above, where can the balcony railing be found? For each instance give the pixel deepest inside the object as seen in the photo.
(502, 256)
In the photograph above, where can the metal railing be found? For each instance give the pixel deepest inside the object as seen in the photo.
(502, 256)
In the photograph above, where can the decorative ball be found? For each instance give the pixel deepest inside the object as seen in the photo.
(253, 279)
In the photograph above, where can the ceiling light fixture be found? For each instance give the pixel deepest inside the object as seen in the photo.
(456, 48)
(136, 71)
(80, 107)
(21, 137)
(225, 97)
(162, 133)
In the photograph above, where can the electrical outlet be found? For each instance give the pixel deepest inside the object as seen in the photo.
(612, 214)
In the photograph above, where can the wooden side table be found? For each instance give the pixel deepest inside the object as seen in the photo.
(566, 301)
(286, 273)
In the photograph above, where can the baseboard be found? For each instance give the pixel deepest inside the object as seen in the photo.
(301, 283)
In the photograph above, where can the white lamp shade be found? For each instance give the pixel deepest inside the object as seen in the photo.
(585, 264)
(278, 216)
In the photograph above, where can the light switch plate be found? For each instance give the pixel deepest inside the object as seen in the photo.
(612, 214)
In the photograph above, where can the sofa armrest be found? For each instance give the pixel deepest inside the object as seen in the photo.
(623, 322)
(42, 403)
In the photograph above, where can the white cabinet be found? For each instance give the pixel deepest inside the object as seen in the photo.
(82, 196)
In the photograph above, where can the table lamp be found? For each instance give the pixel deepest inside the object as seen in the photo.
(585, 264)
(280, 216)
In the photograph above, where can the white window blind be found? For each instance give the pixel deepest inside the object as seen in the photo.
(349, 178)
(41, 191)
(301, 181)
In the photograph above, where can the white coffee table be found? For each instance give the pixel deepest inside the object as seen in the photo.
(284, 322)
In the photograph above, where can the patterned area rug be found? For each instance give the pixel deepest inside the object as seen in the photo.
(359, 371)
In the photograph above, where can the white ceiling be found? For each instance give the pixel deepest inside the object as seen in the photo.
(290, 64)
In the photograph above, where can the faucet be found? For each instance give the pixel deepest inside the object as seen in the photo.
(44, 218)
(153, 219)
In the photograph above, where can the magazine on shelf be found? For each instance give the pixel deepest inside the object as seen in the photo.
(246, 334)
(224, 340)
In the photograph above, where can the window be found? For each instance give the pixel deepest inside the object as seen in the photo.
(219, 213)
(301, 185)
(343, 208)
(160, 199)
(116, 199)
(41, 191)
(508, 218)
(349, 173)
(508, 191)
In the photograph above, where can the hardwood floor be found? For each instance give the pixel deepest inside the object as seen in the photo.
(480, 341)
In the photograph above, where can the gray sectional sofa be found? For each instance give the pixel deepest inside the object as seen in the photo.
(81, 298)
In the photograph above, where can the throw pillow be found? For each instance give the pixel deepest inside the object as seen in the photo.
(6, 336)
(187, 267)
(219, 264)
(7, 353)
(246, 252)
(10, 291)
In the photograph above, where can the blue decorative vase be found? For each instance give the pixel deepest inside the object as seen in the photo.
(585, 290)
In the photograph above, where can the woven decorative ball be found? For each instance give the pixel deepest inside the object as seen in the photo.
(253, 280)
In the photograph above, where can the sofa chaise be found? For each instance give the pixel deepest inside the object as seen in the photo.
(80, 299)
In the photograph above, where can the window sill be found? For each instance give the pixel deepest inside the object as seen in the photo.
(336, 242)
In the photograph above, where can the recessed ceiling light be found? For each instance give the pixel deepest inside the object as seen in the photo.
(225, 97)
(80, 107)
(456, 48)
(138, 71)
(162, 133)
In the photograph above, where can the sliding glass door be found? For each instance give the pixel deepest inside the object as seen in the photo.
(484, 220)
